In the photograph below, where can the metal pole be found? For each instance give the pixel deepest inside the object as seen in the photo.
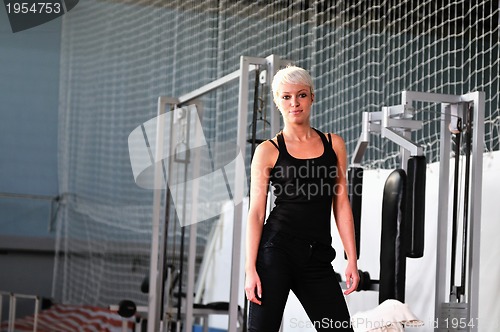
(190, 275)
(477, 99)
(442, 232)
(238, 192)
(12, 312)
(273, 63)
(159, 182)
(192, 235)
(455, 213)
(37, 311)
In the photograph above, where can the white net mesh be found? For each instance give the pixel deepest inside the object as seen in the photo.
(119, 56)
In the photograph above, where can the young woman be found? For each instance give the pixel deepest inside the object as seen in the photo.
(291, 250)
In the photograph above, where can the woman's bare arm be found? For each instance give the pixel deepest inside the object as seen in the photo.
(343, 215)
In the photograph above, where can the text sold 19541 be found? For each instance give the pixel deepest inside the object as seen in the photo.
(33, 8)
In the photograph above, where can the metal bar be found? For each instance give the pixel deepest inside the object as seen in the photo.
(402, 137)
(477, 99)
(404, 123)
(363, 140)
(273, 64)
(442, 223)
(389, 122)
(209, 249)
(238, 193)
(154, 273)
(404, 142)
(190, 276)
(366, 125)
(407, 97)
(405, 152)
(12, 312)
(192, 238)
(28, 196)
(375, 117)
(208, 87)
(254, 112)
(454, 218)
(359, 152)
(466, 195)
(217, 83)
(175, 129)
(37, 311)
(25, 296)
(272, 67)
(163, 236)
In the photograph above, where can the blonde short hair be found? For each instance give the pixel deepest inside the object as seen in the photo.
(291, 75)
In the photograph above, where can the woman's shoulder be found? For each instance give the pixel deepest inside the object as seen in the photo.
(268, 145)
(336, 138)
(333, 138)
(267, 152)
(338, 143)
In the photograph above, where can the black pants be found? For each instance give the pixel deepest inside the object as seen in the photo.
(287, 263)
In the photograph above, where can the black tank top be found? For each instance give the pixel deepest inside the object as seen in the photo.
(304, 189)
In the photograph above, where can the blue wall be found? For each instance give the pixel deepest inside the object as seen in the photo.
(29, 94)
(29, 88)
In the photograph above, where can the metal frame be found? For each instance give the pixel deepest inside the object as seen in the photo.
(247, 65)
(390, 123)
(12, 308)
(393, 123)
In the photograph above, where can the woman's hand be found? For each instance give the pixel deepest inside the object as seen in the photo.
(253, 287)
(351, 277)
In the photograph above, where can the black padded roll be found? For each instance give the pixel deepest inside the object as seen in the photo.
(355, 180)
(415, 207)
(392, 251)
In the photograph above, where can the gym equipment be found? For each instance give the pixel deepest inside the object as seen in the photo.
(392, 250)
(247, 65)
(13, 297)
(459, 308)
(396, 124)
(456, 175)
(127, 308)
(415, 207)
(259, 128)
(403, 213)
(366, 282)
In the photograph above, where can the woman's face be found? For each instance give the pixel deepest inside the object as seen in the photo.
(294, 102)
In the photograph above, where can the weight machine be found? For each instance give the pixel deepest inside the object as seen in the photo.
(460, 114)
(158, 151)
